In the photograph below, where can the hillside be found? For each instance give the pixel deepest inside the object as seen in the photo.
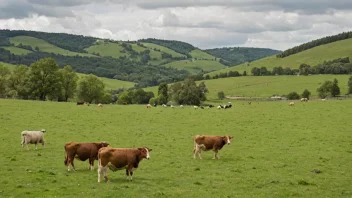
(17, 50)
(312, 56)
(236, 55)
(196, 66)
(266, 86)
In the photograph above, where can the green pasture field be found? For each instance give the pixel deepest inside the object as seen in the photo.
(314, 56)
(162, 49)
(44, 46)
(273, 153)
(112, 83)
(107, 49)
(195, 66)
(201, 55)
(17, 50)
(266, 86)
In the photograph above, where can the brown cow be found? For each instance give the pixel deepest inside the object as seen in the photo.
(206, 143)
(82, 151)
(120, 158)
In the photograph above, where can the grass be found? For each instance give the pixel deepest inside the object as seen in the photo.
(44, 46)
(312, 57)
(107, 49)
(266, 86)
(17, 50)
(199, 54)
(163, 49)
(196, 66)
(274, 150)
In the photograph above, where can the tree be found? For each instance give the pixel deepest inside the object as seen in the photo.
(4, 73)
(293, 96)
(44, 77)
(350, 85)
(203, 90)
(325, 89)
(306, 94)
(90, 88)
(255, 71)
(221, 95)
(244, 73)
(69, 82)
(335, 89)
(162, 90)
(189, 93)
(19, 81)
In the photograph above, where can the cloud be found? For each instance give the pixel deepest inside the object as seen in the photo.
(277, 24)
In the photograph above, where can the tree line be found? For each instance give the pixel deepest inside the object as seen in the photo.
(122, 68)
(44, 80)
(178, 46)
(231, 56)
(315, 43)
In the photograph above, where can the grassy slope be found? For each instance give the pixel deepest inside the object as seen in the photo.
(199, 54)
(163, 49)
(107, 49)
(195, 66)
(266, 86)
(10, 66)
(312, 56)
(17, 50)
(273, 152)
(43, 46)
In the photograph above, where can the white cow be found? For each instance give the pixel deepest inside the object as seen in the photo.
(195, 107)
(181, 106)
(33, 137)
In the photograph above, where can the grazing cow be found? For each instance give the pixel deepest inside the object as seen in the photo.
(206, 143)
(195, 107)
(181, 106)
(304, 99)
(210, 106)
(172, 106)
(149, 106)
(323, 99)
(100, 105)
(80, 103)
(249, 102)
(228, 106)
(292, 104)
(155, 105)
(219, 107)
(32, 137)
(201, 107)
(82, 151)
(120, 158)
(164, 105)
(124, 103)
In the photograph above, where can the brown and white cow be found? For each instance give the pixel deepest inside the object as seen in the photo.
(82, 151)
(206, 143)
(120, 158)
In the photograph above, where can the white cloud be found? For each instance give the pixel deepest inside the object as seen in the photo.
(273, 24)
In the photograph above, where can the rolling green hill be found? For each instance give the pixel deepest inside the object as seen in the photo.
(17, 50)
(196, 66)
(162, 49)
(43, 46)
(311, 56)
(107, 49)
(199, 54)
(266, 86)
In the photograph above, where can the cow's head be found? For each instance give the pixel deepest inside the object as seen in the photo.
(103, 144)
(227, 139)
(145, 152)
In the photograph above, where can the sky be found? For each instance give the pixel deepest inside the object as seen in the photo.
(275, 24)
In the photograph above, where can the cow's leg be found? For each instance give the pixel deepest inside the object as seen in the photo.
(99, 172)
(72, 164)
(43, 143)
(127, 173)
(216, 154)
(105, 171)
(35, 146)
(27, 147)
(91, 163)
(130, 170)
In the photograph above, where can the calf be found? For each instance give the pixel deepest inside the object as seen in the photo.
(32, 137)
(206, 143)
(120, 158)
(82, 151)
(80, 103)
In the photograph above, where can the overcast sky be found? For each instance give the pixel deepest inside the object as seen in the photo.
(276, 24)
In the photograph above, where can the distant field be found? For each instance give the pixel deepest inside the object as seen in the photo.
(43, 46)
(266, 86)
(312, 56)
(201, 55)
(107, 49)
(163, 49)
(196, 66)
(273, 153)
(17, 50)
(10, 66)
(113, 83)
